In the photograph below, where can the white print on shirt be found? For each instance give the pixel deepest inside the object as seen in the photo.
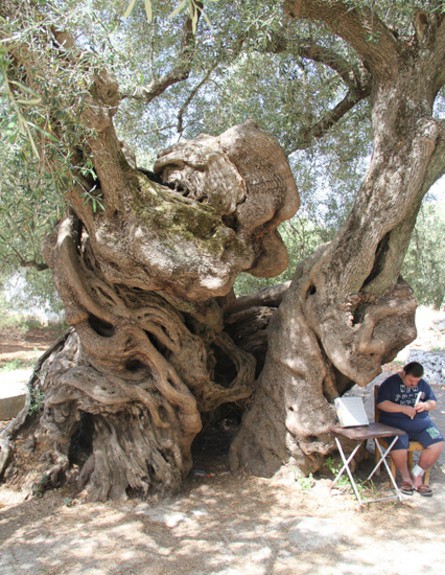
(407, 395)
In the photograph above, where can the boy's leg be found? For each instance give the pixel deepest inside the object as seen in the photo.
(400, 458)
(428, 457)
(399, 455)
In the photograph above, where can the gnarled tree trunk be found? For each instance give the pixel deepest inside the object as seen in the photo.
(142, 283)
(158, 341)
(348, 311)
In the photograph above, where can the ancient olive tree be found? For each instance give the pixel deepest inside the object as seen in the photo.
(158, 342)
(348, 311)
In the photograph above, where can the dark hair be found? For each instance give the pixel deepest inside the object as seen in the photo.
(413, 368)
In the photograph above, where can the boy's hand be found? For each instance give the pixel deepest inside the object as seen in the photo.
(409, 411)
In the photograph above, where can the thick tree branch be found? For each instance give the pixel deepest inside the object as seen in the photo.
(320, 128)
(268, 296)
(312, 51)
(362, 29)
(111, 166)
(358, 82)
(350, 76)
(95, 113)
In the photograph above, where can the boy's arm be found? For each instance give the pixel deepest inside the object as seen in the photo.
(391, 407)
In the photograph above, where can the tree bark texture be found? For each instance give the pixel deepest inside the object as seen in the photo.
(158, 343)
(143, 284)
(348, 311)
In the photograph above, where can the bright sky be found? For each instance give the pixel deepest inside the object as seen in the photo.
(438, 190)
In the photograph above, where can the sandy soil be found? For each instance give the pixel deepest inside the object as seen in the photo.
(229, 524)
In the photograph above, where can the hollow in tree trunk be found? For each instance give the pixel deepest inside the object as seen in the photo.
(122, 398)
(158, 342)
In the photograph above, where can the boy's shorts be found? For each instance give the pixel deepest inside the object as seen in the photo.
(426, 437)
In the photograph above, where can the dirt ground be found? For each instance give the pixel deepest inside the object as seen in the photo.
(26, 346)
(225, 524)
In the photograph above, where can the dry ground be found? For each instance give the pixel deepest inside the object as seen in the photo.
(27, 346)
(228, 524)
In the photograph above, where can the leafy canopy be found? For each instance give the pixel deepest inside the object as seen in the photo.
(244, 59)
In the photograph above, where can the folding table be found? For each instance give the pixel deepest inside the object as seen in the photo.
(360, 434)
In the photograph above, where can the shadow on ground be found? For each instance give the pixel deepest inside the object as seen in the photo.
(226, 524)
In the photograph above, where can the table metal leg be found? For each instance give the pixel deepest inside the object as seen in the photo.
(384, 455)
(346, 462)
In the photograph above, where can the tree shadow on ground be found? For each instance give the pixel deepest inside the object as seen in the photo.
(225, 524)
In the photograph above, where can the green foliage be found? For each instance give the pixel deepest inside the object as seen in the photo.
(10, 323)
(363, 487)
(301, 238)
(147, 5)
(193, 7)
(37, 130)
(16, 321)
(31, 289)
(37, 400)
(247, 63)
(29, 208)
(306, 483)
(17, 364)
(334, 467)
(424, 266)
(399, 13)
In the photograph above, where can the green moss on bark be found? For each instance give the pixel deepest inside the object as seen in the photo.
(179, 220)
